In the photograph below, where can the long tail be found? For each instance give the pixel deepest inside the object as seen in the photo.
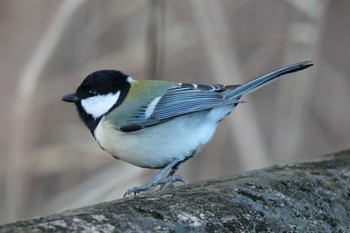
(263, 80)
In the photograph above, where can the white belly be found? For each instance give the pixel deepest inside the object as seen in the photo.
(156, 146)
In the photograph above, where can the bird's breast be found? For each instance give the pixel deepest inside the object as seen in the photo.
(156, 146)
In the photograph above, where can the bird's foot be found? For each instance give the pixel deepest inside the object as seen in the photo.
(157, 179)
(137, 189)
(167, 182)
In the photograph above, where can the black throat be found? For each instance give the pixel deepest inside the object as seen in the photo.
(88, 119)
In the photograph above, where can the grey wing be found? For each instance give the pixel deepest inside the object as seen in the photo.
(180, 100)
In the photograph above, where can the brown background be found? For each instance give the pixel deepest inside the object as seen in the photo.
(50, 162)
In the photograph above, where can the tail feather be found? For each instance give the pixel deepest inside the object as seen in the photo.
(263, 80)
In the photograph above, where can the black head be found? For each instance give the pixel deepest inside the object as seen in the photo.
(98, 94)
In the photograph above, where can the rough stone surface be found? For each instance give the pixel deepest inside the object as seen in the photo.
(307, 197)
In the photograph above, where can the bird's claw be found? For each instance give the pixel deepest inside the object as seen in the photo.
(134, 191)
(172, 179)
(167, 182)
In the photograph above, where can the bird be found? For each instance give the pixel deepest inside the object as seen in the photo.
(158, 124)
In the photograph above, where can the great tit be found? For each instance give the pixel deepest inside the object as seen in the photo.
(158, 124)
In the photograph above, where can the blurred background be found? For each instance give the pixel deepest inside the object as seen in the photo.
(50, 162)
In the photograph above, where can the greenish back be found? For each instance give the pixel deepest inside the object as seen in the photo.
(140, 95)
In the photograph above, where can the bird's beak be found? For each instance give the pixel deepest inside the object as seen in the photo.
(72, 98)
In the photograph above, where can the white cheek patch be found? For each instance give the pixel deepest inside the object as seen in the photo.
(100, 105)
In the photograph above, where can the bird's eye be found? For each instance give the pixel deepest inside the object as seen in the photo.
(92, 92)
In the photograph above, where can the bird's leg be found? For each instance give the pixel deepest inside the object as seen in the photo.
(155, 180)
(175, 168)
(169, 181)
